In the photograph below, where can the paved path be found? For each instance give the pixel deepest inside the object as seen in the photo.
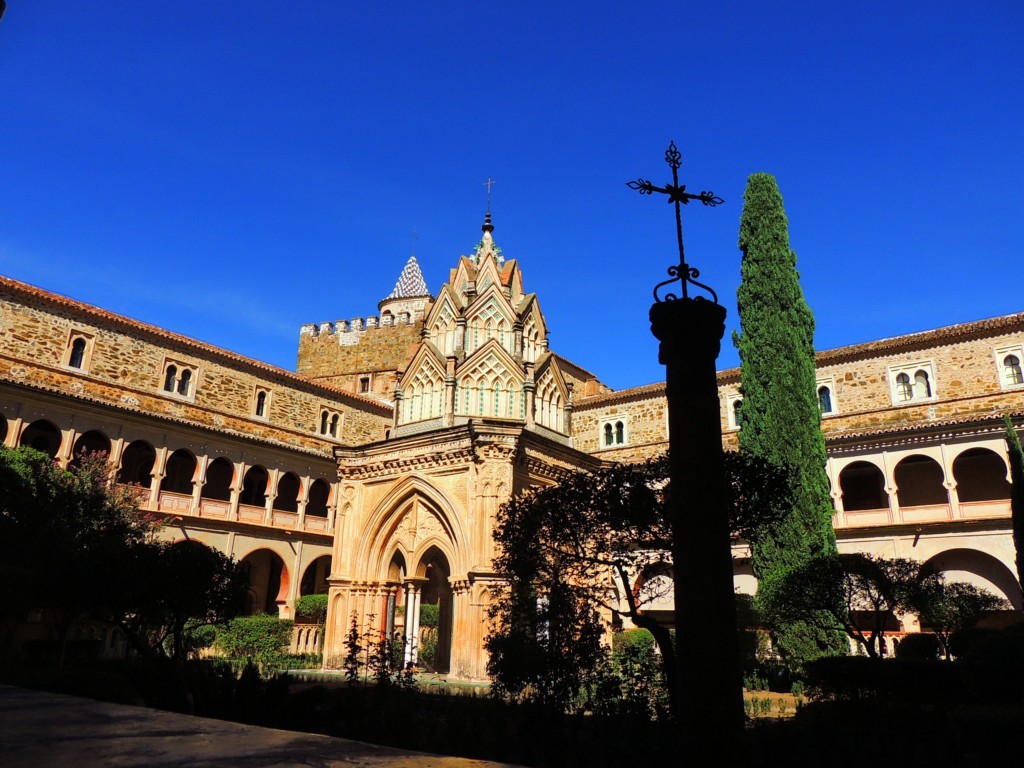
(39, 730)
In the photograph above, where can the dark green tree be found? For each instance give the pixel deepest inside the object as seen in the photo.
(570, 551)
(855, 593)
(1017, 495)
(781, 420)
(65, 539)
(946, 607)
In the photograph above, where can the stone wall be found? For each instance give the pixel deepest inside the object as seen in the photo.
(964, 364)
(340, 354)
(125, 364)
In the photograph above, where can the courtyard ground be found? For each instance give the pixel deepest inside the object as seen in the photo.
(45, 729)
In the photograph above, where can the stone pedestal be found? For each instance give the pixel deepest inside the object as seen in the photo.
(710, 694)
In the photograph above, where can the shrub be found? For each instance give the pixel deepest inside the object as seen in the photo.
(921, 645)
(260, 639)
(311, 609)
(430, 615)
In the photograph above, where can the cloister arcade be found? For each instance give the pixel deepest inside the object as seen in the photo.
(200, 490)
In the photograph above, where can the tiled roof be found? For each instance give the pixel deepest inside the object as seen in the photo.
(24, 289)
(410, 283)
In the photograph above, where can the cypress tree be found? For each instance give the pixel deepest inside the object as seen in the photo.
(781, 422)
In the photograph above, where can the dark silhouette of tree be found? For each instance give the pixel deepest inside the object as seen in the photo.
(1016, 453)
(781, 420)
(64, 537)
(571, 556)
(855, 593)
(947, 607)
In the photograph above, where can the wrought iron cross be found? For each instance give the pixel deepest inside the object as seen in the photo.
(489, 183)
(677, 194)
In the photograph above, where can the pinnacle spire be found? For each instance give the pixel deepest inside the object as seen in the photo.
(410, 283)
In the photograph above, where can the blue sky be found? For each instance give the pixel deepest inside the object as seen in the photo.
(233, 170)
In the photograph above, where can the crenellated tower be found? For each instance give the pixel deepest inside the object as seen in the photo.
(366, 355)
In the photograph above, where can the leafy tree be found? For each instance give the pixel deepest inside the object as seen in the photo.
(1017, 495)
(572, 552)
(947, 607)
(781, 420)
(855, 593)
(66, 537)
(170, 591)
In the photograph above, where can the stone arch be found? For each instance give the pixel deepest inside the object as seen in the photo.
(413, 501)
(919, 481)
(978, 568)
(219, 476)
(44, 436)
(863, 487)
(314, 578)
(179, 473)
(319, 496)
(137, 461)
(434, 571)
(268, 581)
(87, 443)
(254, 486)
(980, 475)
(287, 498)
(653, 591)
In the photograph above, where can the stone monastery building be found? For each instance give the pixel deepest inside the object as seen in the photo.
(374, 472)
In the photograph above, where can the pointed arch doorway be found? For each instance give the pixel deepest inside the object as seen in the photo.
(435, 643)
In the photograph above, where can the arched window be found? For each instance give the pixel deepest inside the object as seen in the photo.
(323, 422)
(620, 433)
(497, 398)
(169, 378)
(904, 392)
(261, 403)
(1012, 373)
(78, 354)
(737, 419)
(922, 387)
(334, 425)
(184, 382)
(824, 400)
(608, 435)
(480, 397)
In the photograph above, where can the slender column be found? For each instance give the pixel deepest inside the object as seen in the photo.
(709, 694)
(449, 391)
(268, 508)
(529, 389)
(891, 489)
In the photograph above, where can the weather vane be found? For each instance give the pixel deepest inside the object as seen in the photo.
(677, 194)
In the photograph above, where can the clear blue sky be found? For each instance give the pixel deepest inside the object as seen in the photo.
(232, 170)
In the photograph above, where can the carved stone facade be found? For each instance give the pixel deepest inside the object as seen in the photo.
(376, 475)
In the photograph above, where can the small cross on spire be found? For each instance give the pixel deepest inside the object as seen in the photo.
(489, 183)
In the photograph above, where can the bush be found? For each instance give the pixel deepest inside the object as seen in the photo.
(902, 682)
(922, 645)
(430, 615)
(260, 639)
(311, 609)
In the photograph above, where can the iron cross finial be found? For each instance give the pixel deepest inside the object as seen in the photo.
(677, 194)
(489, 183)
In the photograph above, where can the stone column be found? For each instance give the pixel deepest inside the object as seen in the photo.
(460, 337)
(529, 388)
(413, 589)
(449, 391)
(709, 694)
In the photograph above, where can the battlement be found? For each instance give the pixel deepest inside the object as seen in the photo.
(359, 324)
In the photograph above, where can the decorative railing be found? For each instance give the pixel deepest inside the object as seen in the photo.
(925, 513)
